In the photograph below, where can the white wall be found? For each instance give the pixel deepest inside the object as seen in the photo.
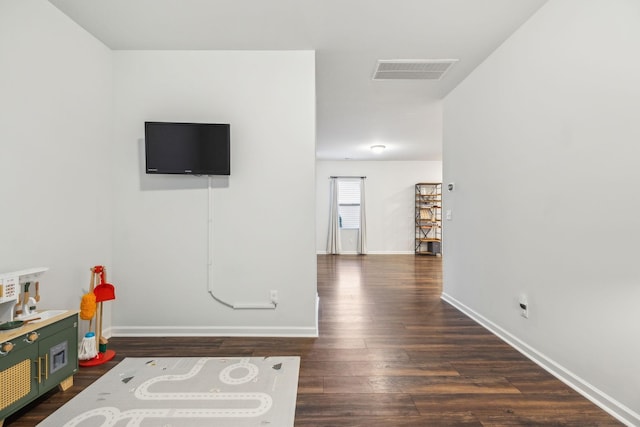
(160, 222)
(390, 195)
(55, 133)
(542, 142)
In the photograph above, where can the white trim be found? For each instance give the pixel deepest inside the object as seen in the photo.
(317, 314)
(392, 252)
(371, 253)
(610, 405)
(211, 331)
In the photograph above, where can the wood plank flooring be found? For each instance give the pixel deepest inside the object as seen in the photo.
(390, 353)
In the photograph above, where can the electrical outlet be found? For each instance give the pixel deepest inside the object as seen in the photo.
(524, 306)
(274, 296)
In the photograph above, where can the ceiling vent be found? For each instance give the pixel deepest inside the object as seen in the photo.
(412, 69)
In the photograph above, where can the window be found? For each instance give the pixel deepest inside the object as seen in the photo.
(349, 204)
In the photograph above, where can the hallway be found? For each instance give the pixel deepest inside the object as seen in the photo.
(390, 353)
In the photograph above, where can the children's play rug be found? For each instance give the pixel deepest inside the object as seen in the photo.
(187, 392)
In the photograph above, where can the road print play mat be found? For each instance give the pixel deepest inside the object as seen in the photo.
(187, 391)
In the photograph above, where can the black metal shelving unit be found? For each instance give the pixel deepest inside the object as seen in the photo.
(428, 217)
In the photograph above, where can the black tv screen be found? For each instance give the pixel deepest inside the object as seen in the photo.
(187, 148)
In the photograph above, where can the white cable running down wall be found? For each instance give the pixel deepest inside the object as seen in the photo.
(271, 305)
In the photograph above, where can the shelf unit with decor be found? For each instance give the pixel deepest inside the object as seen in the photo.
(428, 215)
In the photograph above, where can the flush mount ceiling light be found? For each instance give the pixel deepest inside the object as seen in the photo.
(412, 69)
(377, 149)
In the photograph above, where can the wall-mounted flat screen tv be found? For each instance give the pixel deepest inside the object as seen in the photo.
(187, 148)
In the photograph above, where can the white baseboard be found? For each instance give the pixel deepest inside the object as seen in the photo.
(392, 253)
(317, 314)
(215, 331)
(371, 253)
(211, 331)
(610, 405)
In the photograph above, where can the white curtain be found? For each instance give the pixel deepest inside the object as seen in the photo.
(362, 235)
(333, 242)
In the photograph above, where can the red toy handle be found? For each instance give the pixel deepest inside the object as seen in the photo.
(99, 269)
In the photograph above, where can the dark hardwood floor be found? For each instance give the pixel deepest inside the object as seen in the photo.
(390, 353)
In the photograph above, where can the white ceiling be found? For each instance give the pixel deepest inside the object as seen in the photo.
(349, 36)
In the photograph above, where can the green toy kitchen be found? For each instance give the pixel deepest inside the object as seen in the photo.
(38, 348)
